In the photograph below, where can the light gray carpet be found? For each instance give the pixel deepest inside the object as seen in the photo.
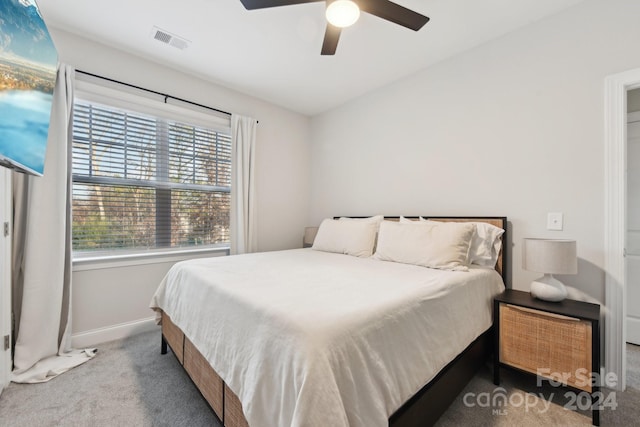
(130, 384)
(546, 404)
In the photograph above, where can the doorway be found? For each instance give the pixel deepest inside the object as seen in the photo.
(632, 321)
(615, 217)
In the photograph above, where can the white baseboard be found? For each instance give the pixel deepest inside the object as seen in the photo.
(115, 332)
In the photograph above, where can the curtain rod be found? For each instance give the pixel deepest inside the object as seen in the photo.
(153, 91)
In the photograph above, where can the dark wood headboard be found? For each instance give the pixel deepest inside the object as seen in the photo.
(499, 221)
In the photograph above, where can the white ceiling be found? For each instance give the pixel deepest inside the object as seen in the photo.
(274, 54)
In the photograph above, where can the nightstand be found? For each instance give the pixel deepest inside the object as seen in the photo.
(559, 341)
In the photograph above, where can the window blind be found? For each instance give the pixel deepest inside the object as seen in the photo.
(144, 182)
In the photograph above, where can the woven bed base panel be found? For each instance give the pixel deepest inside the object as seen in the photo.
(222, 400)
(174, 337)
(204, 377)
(233, 415)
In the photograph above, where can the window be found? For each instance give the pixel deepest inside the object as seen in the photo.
(144, 181)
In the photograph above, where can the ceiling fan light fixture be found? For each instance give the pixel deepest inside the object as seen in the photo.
(342, 13)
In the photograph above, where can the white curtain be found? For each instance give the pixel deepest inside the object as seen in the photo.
(243, 190)
(42, 253)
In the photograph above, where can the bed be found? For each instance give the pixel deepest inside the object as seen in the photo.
(308, 337)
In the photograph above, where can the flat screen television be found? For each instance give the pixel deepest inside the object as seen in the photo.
(28, 62)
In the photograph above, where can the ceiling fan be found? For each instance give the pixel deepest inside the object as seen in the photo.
(343, 13)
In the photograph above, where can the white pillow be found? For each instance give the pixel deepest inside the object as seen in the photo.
(428, 244)
(346, 237)
(377, 219)
(485, 245)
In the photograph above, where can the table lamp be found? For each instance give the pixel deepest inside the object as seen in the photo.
(309, 236)
(549, 256)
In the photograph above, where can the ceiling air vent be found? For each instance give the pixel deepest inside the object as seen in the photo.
(170, 39)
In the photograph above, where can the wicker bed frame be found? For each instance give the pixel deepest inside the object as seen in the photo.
(423, 409)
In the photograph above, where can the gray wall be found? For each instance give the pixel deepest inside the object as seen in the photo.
(513, 127)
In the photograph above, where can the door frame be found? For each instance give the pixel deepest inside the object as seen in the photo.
(615, 221)
(6, 362)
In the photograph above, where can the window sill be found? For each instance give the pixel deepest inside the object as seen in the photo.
(126, 260)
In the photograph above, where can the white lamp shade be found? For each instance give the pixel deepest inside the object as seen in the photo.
(309, 236)
(551, 256)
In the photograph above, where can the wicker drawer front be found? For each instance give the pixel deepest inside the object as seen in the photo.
(531, 340)
(204, 377)
(233, 415)
(174, 337)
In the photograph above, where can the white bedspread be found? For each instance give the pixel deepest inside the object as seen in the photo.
(309, 338)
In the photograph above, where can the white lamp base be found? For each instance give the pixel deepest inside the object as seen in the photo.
(548, 288)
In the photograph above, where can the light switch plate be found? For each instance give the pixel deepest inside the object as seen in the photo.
(554, 221)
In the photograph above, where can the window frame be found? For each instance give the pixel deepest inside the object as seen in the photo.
(110, 94)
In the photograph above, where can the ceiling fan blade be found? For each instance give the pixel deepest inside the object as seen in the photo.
(331, 37)
(390, 11)
(263, 4)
